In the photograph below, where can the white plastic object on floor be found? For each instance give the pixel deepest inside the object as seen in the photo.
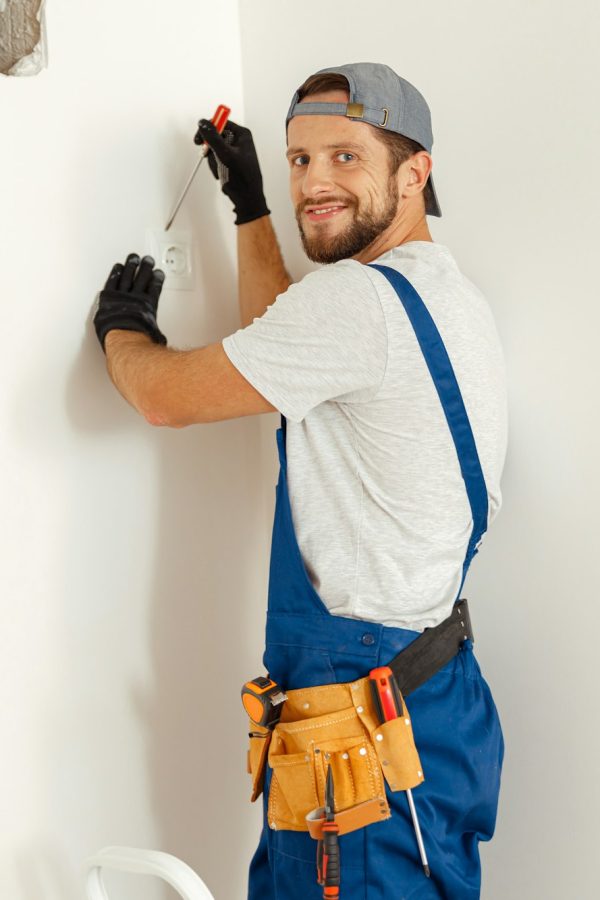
(144, 862)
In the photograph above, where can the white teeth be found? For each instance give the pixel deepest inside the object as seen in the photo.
(320, 212)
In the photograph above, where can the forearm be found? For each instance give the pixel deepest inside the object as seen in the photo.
(136, 366)
(261, 271)
(177, 388)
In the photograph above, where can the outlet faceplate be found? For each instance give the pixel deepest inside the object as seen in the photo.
(173, 252)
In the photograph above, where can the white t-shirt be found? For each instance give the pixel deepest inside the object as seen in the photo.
(379, 505)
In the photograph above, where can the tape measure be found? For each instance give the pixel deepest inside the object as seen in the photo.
(263, 700)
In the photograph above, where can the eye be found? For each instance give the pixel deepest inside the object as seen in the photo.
(351, 155)
(299, 160)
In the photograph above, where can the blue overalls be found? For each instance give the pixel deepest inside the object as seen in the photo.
(455, 723)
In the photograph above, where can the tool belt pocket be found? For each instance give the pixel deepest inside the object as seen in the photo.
(260, 739)
(347, 737)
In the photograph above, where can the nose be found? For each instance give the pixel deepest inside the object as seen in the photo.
(317, 178)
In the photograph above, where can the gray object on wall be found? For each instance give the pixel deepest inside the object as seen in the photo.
(22, 37)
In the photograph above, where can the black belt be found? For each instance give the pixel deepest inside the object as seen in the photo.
(432, 649)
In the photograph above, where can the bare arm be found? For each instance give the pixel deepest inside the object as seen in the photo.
(179, 387)
(261, 270)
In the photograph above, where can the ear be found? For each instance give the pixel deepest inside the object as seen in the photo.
(417, 169)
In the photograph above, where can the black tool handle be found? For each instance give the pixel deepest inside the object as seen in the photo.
(331, 858)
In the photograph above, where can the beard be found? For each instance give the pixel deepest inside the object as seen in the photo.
(362, 230)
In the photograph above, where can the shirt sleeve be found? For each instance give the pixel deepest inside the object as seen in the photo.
(325, 338)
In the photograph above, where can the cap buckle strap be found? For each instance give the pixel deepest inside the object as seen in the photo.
(355, 110)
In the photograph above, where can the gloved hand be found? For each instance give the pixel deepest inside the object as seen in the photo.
(129, 300)
(233, 160)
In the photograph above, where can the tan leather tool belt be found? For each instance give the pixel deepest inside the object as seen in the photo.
(332, 725)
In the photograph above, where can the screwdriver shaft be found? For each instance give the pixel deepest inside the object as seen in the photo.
(413, 813)
(203, 153)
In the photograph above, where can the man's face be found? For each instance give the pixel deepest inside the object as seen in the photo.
(343, 194)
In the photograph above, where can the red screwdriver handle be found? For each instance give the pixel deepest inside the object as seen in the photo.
(220, 117)
(386, 696)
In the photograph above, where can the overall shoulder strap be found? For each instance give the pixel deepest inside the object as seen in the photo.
(442, 373)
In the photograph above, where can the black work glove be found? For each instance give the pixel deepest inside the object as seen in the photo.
(233, 160)
(129, 300)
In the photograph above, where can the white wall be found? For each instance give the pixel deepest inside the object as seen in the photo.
(134, 560)
(512, 89)
(132, 557)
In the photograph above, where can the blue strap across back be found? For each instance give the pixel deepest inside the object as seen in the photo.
(440, 368)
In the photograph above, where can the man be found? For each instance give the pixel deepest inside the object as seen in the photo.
(387, 370)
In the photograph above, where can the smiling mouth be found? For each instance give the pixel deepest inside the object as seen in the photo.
(323, 213)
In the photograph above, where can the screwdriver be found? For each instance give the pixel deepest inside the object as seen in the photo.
(328, 850)
(388, 701)
(219, 120)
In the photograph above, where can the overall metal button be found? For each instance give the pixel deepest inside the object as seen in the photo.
(368, 639)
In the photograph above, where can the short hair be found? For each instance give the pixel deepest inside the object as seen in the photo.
(400, 147)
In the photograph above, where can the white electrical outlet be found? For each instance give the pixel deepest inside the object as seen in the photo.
(173, 252)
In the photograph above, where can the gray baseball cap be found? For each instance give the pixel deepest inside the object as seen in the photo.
(379, 97)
